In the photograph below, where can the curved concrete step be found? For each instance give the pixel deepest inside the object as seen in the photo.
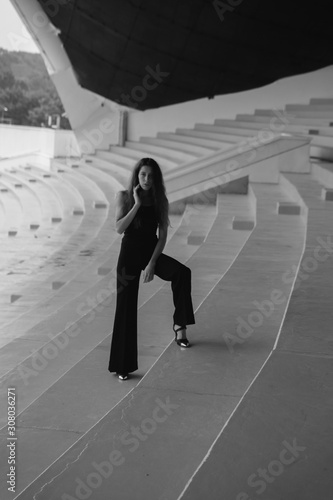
(137, 154)
(89, 274)
(121, 174)
(47, 236)
(176, 157)
(223, 138)
(281, 127)
(30, 202)
(125, 158)
(321, 137)
(29, 259)
(33, 290)
(200, 147)
(12, 206)
(321, 115)
(221, 129)
(23, 213)
(309, 107)
(283, 118)
(47, 194)
(321, 100)
(49, 202)
(112, 157)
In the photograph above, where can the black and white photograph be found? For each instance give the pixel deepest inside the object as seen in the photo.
(166, 250)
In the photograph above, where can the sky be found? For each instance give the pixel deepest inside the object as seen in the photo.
(13, 34)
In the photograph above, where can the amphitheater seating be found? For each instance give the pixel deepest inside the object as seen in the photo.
(210, 265)
(55, 336)
(151, 345)
(69, 283)
(60, 250)
(286, 406)
(70, 253)
(314, 120)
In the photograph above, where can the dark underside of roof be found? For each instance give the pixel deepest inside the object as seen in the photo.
(150, 53)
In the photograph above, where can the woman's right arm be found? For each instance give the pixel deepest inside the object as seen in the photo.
(123, 220)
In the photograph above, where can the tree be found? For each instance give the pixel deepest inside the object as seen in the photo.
(27, 90)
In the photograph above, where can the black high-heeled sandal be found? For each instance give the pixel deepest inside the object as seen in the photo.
(181, 342)
(122, 376)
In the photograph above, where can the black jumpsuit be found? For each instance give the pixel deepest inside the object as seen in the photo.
(137, 247)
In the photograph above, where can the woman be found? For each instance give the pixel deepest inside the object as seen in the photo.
(140, 211)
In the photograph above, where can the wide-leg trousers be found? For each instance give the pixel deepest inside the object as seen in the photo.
(124, 350)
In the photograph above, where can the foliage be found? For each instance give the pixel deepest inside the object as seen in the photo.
(27, 91)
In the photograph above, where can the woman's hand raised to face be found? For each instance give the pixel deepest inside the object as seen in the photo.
(136, 195)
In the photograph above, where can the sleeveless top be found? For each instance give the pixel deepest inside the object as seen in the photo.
(148, 224)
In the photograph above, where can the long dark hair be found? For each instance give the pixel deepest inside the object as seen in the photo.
(160, 199)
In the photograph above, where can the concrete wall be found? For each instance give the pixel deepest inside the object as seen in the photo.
(16, 140)
(294, 90)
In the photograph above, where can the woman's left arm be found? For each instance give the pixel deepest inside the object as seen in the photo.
(148, 273)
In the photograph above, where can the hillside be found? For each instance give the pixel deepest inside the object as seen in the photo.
(27, 90)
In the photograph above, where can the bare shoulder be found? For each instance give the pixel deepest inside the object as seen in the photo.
(122, 196)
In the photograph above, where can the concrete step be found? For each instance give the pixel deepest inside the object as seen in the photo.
(90, 225)
(120, 173)
(113, 157)
(321, 101)
(12, 206)
(217, 136)
(309, 107)
(176, 157)
(200, 147)
(234, 131)
(136, 155)
(324, 115)
(281, 118)
(303, 129)
(66, 254)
